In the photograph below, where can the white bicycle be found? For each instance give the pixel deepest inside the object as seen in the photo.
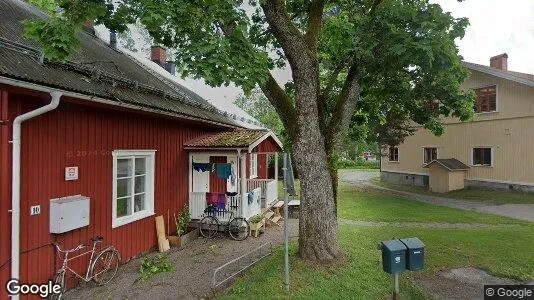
(102, 266)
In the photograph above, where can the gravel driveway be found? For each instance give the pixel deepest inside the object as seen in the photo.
(191, 277)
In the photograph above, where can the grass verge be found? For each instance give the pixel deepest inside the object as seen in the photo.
(470, 194)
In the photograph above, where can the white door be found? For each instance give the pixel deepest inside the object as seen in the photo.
(201, 180)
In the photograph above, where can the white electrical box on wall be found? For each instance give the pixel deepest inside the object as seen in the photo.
(69, 213)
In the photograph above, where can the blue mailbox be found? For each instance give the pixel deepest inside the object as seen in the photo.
(393, 256)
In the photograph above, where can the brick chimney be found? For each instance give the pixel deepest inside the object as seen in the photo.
(158, 54)
(499, 62)
(89, 27)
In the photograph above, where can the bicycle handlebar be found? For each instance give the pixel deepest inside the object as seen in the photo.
(95, 239)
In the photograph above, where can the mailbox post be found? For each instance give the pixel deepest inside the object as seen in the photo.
(394, 261)
(399, 256)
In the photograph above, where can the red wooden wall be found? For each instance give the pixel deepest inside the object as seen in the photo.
(5, 194)
(83, 136)
(217, 185)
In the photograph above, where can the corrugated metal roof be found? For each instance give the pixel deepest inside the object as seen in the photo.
(526, 79)
(227, 139)
(451, 164)
(95, 69)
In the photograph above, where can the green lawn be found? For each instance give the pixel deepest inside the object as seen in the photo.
(368, 205)
(501, 250)
(471, 194)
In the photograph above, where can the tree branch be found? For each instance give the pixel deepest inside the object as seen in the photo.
(282, 103)
(322, 104)
(315, 23)
(345, 106)
(332, 79)
(374, 6)
(286, 32)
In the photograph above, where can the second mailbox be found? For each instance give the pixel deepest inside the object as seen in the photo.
(415, 255)
(393, 256)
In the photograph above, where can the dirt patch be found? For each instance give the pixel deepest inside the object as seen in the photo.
(191, 277)
(461, 283)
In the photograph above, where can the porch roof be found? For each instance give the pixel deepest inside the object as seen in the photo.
(235, 139)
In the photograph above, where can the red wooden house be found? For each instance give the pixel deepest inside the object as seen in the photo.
(102, 126)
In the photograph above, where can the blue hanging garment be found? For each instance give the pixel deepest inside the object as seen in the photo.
(250, 197)
(223, 170)
(203, 167)
(221, 202)
(233, 176)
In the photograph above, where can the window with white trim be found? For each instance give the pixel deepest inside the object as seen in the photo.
(430, 154)
(482, 156)
(393, 154)
(253, 165)
(486, 99)
(133, 185)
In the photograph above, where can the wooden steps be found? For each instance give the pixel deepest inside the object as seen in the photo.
(268, 214)
(271, 218)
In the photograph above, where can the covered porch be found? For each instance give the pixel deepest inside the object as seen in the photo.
(233, 173)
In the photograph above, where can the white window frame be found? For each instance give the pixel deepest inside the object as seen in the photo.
(253, 165)
(150, 156)
(473, 156)
(429, 147)
(398, 155)
(496, 99)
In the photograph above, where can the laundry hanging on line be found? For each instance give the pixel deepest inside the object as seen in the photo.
(223, 170)
(203, 167)
(233, 175)
(250, 197)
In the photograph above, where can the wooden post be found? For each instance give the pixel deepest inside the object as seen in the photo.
(243, 177)
(395, 286)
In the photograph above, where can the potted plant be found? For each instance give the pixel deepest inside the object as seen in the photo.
(184, 234)
(256, 222)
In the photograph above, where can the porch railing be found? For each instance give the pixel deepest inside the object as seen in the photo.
(198, 204)
(269, 188)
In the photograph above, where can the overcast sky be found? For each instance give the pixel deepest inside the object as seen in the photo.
(496, 26)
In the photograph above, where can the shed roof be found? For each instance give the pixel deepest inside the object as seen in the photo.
(95, 69)
(236, 139)
(451, 164)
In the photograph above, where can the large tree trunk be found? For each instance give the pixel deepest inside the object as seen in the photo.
(318, 230)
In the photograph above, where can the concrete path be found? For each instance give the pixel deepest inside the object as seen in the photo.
(523, 212)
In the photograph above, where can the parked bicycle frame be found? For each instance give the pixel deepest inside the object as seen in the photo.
(237, 227)
(102, 266)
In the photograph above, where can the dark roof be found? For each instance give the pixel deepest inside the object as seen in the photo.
(523, 78)
(95, 69)
(451, 164)
(228, 139)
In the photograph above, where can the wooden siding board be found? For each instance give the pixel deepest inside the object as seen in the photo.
(74, 135)
(5, 188)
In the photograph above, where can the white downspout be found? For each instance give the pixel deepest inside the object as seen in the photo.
(15, 181)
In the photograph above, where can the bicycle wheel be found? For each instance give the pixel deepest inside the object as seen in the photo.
(239, 228)
(209, 226)
(59, 279)
(105, 266)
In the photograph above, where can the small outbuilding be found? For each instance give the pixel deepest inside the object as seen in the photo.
(446, 175)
